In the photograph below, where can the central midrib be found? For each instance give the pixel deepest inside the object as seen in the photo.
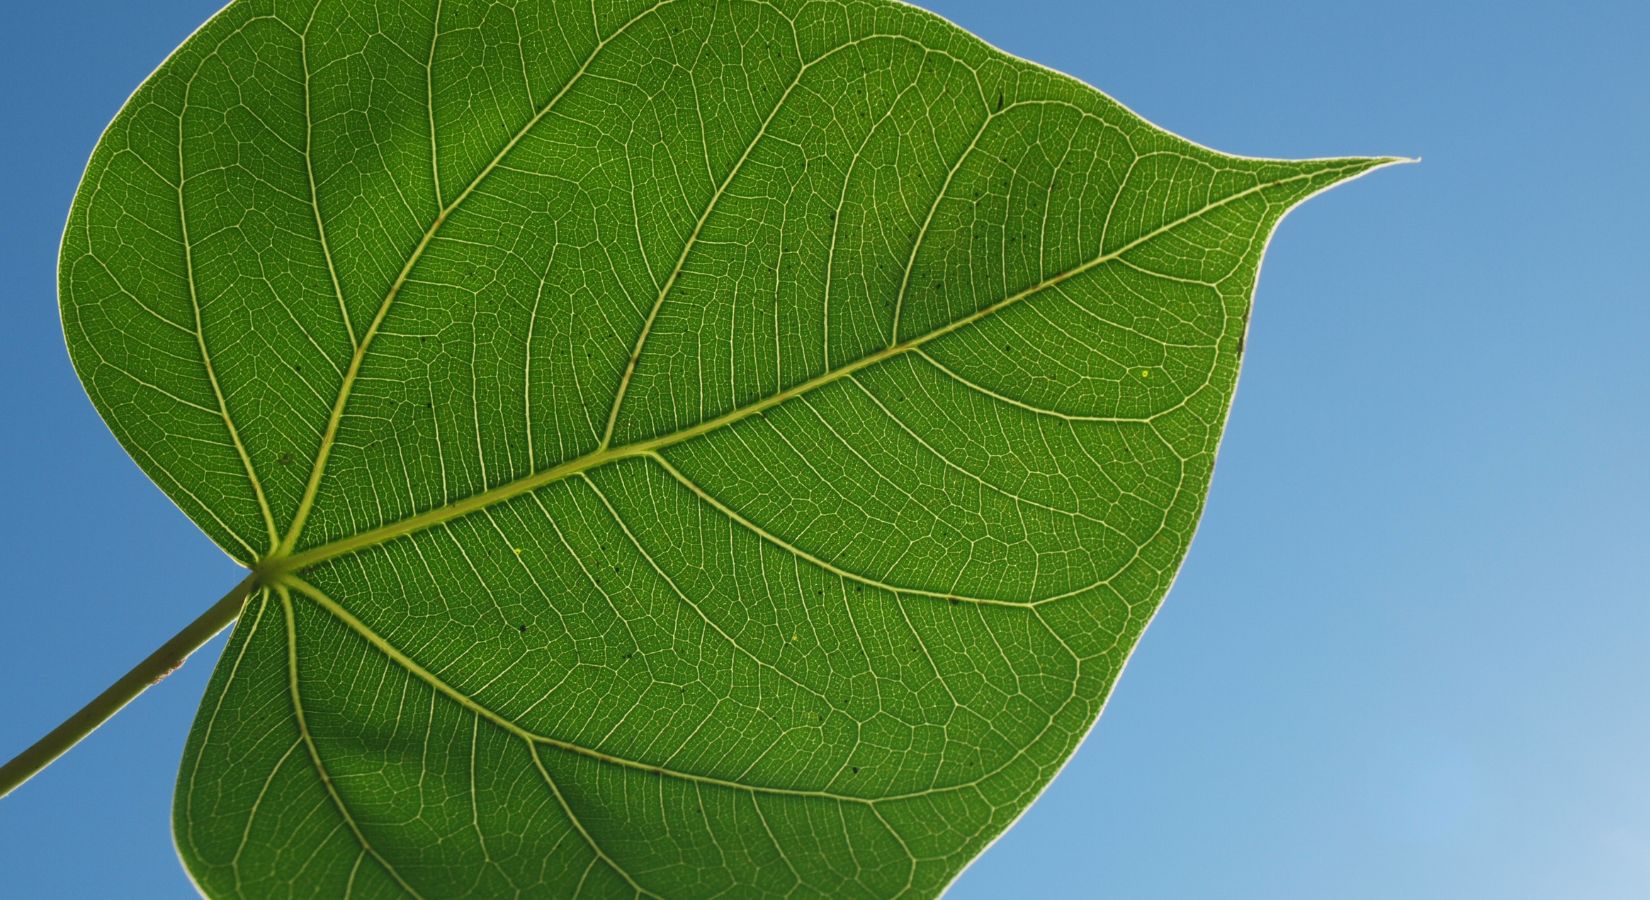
(271, 568)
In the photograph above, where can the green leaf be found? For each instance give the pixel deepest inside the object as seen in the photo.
(684, 447)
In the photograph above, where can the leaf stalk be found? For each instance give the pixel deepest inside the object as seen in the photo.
(156, 666)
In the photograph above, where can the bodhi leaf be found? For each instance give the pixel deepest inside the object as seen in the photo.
(684, 448)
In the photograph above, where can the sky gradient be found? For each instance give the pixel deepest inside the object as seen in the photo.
(1407, 654)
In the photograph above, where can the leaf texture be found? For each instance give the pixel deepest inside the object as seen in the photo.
(689, 448)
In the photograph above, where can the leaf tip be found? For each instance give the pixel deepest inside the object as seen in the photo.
(1342, 170)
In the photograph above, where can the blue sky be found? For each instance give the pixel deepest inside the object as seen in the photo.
(1408, 654)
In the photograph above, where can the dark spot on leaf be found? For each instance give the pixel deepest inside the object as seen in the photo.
(856, 770)
(522, 628)
(285, 459)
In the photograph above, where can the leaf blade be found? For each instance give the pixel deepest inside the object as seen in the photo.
(910, 396)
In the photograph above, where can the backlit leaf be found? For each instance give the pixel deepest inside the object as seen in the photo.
(688, 448)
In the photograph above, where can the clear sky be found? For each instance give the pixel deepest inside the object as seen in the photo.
(1408, 655)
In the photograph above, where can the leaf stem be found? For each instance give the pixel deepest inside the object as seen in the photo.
(158, 665)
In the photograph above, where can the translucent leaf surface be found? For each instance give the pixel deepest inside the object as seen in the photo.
(687, 448)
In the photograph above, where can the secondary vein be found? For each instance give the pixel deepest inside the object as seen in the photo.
(200, 340)
(307, 503)
(435, 682)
